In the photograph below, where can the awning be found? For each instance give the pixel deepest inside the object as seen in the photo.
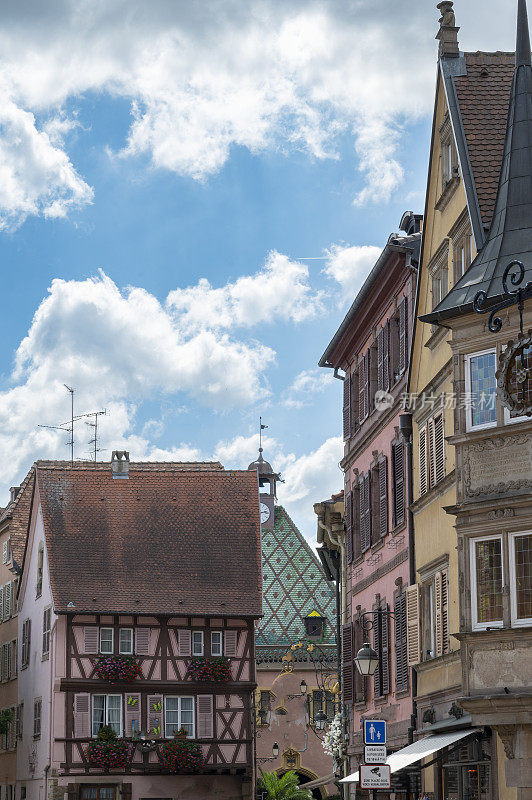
(319, 782)
(418, 751)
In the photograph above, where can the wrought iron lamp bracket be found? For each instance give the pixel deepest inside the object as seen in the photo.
(515, 274)
(369, 618)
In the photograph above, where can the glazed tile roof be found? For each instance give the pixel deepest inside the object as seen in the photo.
(483, 97)
(198, 532)
(293, 586)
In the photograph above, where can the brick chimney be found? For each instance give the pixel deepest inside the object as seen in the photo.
(448, 33)
(120, 464)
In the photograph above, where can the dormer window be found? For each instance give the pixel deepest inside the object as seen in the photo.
(314, 625)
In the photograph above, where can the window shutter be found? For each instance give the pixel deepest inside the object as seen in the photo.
(423, 471)
(4, 552)
(365, 513)
(26, 641)
(383, 497)
(347, 663)
(398, 459)
(205, 716)
(444, 612)
(386, 357)
(368, 404)
(362, 411)
(90, 640)
(132, 715)
(82, 722)
(401, 661)
(354, 402)
(413, 634)
(6, 661)
(347, 406)
(184, 643)
(155, 715)
(385, 647)
(142, 641)
(403, 336)
(355, 521)
(126, 791)
(1, 603)
(377, 646)
(348, 521)
(437, 449)
(7, 601)
(14, 658)
(438, 614)
(359, 681)
(230, 640)
(380, 359)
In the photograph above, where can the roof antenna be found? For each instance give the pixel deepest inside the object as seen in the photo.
(69, 426)
(94, 425)
(261, 428)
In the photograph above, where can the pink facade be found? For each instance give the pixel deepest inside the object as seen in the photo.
(372, 349)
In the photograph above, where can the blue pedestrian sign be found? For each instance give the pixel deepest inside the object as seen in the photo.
(374, 731)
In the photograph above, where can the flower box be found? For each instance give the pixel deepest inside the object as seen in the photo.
(180, 755)
(116, 669)
(215, 670)
(110, 754)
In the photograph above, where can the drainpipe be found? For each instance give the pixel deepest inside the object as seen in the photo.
(405, 426)
(50, 708)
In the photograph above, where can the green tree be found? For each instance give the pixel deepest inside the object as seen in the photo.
(283, 787)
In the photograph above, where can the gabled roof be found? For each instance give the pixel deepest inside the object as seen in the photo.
(165, 540)
(294, 586)
(17, 515)
(510, 235)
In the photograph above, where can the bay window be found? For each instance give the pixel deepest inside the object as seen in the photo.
(486, 582)
(107, 710)
(520, 549)
(178, 713)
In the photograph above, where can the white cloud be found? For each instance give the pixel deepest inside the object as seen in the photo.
(280, 290)
(350, 265)
(36, 175)
(305, 386)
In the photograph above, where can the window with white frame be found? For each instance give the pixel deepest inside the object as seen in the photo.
(178, 714)
(107, 710)
(197, 643)
(216, 643)
(106, 641)
(449, 159)
(125, 641)
(46, 625)
(520, 550)
(463, 248)
(481, 390)
(487, 582)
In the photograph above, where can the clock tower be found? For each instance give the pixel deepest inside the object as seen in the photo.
(267, 490)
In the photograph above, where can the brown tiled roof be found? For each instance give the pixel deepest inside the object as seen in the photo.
(165, 540)
(483, 97)
(17, 513)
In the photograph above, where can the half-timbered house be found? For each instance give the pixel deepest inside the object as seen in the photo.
(139, 643)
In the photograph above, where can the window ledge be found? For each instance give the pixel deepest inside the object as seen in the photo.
(445, 197)
(378, 545)
(402, 693)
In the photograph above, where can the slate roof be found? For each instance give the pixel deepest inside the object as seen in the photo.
(197, 533)
(510, 235)
(293, 585)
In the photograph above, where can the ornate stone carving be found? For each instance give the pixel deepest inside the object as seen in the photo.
(507, 736)
(456, 711)
(513, 376)
(486, 461)
(501, 513)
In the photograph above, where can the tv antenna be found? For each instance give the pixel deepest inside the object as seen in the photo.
(68, 427)
(94, 425)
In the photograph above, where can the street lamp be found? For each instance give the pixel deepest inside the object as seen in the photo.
(275, 750)
(303, 686)
(366, 660)
(320, 720)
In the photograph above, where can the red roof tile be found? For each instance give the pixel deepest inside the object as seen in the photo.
(164, 540)
(16, 514)
(483, 97)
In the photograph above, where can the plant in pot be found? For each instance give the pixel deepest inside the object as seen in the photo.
(108, 751)
(118, 669)
(214, 670)
(180, 755)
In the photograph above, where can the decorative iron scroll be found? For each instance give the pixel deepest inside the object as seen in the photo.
(515, 273)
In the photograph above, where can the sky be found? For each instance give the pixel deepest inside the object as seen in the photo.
(191, 194)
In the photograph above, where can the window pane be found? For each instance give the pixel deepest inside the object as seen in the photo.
(187, 715)
(216, 643)
(106, 640)
(114, 715)
(488, 568)
(89, 792)
(126, 640)
(523, 576)
(107, 792)
(483, 389)
(172, 715)
(98, 713)
(197, 643)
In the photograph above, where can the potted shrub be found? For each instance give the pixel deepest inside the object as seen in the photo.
(108, 751)
(214, 670)
(116, 669)
(6, 718)
(181, 755)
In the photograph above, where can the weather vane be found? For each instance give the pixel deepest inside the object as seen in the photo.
(261, 428)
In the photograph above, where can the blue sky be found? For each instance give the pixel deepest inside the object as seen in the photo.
(167, 152)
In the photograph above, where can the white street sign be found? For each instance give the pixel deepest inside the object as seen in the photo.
(375, 753)
(378, 777)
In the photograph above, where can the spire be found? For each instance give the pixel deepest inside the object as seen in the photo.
(510, 235)
(522, 49)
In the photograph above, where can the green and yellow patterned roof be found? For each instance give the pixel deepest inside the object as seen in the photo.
(293, 587)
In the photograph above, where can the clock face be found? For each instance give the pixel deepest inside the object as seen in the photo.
(264, 512)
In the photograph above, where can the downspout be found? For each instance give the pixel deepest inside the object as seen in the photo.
(405, 426)
(50, 709)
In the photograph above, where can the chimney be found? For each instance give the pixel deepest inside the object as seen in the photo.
(120, 464)
(448, 33)
(14, 493)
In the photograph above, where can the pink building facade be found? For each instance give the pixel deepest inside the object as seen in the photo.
(371, 348)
